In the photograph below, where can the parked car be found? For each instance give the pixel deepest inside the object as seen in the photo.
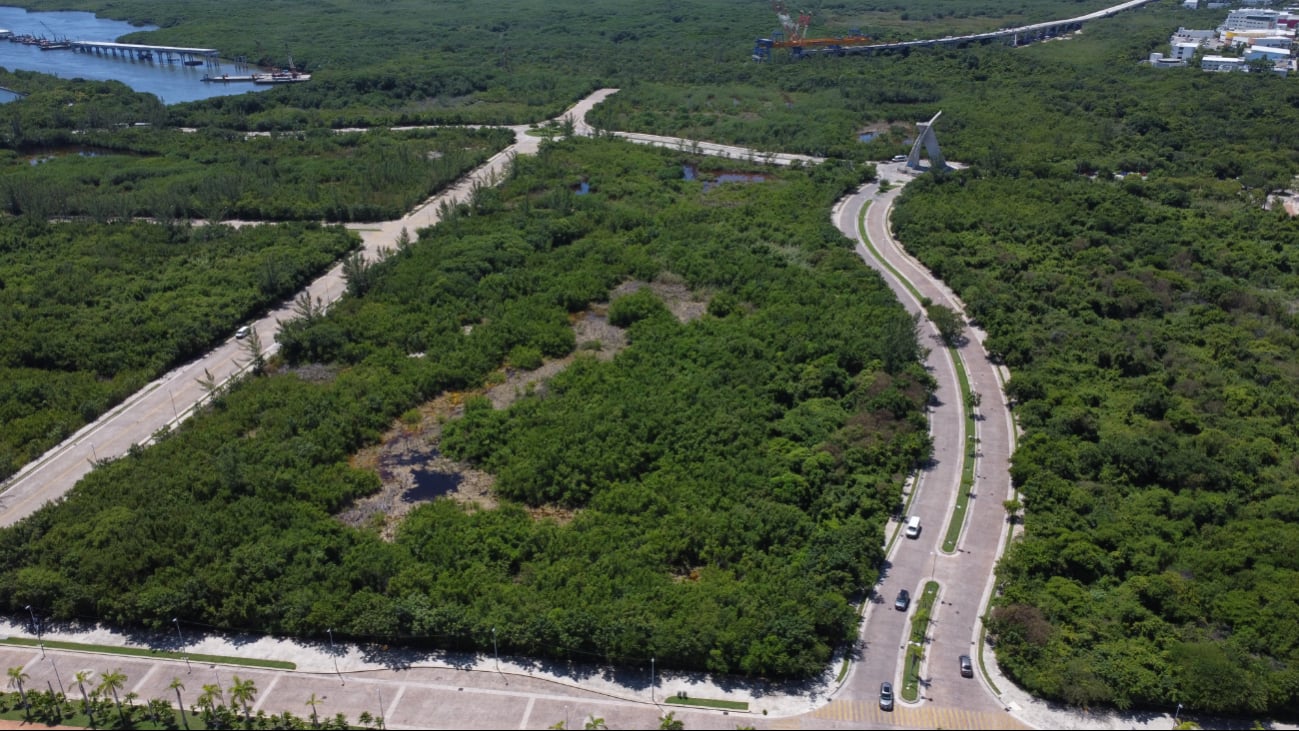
(899, 158)
(967, 667)
(886, 696)
(242, 332)
(903, 601)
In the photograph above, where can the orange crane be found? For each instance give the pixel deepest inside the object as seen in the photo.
(793, 35)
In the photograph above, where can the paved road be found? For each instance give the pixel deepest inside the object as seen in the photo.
(965, 576)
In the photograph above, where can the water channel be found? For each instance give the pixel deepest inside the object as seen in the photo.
(170, 82)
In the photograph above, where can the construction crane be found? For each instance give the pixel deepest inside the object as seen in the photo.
(793, 31)
(793, 35)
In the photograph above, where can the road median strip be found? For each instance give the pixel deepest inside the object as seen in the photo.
(148, 653)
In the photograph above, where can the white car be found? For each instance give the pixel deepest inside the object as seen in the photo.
(243, 332)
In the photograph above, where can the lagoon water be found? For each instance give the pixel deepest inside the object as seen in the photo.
(170, 82)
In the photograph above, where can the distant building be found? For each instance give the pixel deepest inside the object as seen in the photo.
(1222, 63)
(1264, 53)
(1184, 51)
(1242, 19)
(1191, 34)
(1284, 42)
(1158, 61)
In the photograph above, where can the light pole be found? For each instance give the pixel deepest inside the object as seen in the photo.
(179, 636)
(173, 404)
(1177, 713)
(653, 680)
(36, 626)
(58, 677)
(94, 453)
(495, 652)
(333, 652)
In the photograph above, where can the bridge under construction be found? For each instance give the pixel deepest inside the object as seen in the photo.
(144, 52)
(793, 35)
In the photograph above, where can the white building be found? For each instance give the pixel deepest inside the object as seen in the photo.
(1243, 19)
(1184, 51)
(1264, 53)
(1158, 61)
(1222, 63)
(1275, 41)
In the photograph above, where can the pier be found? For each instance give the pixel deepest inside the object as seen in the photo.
(170, 54)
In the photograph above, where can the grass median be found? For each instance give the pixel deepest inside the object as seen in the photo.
(145, 652)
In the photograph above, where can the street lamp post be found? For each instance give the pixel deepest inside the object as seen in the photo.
(179, 636)
(1177, 713)
(495, 652)
(58, 677)
(333, 652)
(653, 680)
(36, 626)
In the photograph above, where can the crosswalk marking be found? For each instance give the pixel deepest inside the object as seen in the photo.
(926, 716)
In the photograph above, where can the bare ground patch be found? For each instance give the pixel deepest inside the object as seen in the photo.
(681, 302)
(408, 460)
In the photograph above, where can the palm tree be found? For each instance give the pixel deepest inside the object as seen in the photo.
(312, 701)
(594, 722)
(208, 698)
(178, 686)
(243, 692)
(16, 678)
(113, 680)
(82, 677)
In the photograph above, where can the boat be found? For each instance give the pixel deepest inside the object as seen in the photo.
(285, 76)
(193, 62)
(226, 78)
(54, 45)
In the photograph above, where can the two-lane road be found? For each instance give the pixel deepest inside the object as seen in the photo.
(965, 577)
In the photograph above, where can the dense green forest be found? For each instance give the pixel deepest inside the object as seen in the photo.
(122, 170)
(726, 480)
(1110, 234)
(90, 313)
(93, 310)
(507, 62)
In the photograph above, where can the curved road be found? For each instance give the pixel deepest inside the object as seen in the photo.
(964, 576)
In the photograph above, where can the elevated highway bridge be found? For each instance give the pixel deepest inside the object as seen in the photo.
(1017, 36)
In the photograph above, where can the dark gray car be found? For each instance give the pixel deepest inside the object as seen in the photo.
(967, 667)
(903, 601)
(886, 696)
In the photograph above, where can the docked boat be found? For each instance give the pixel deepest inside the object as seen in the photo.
(281, 77)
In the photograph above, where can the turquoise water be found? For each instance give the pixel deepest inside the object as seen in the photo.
(170, 82)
